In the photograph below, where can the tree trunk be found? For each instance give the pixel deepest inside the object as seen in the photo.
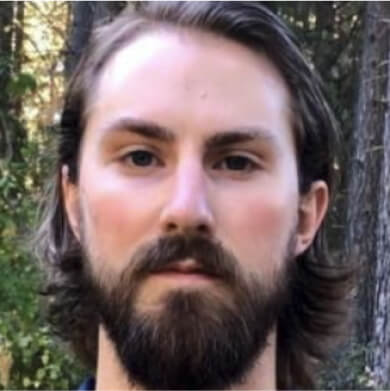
(368, 216)
(19, 133)
(18, 50)
(6, 20)
(85, 16)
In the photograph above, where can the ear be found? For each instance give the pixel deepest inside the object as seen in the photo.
(70, 193)
(312, 210)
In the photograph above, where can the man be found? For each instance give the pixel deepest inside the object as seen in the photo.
(183, 240)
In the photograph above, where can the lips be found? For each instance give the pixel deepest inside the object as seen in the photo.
(184, 267)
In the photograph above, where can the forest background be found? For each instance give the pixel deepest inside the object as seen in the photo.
(348, 44)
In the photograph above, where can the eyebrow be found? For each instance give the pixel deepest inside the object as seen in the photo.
(151, 130)
(142, 128)
(239, 135)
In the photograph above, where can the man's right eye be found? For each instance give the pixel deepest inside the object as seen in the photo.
(140, 158)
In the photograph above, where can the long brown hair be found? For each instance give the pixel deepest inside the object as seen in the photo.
(317, 309)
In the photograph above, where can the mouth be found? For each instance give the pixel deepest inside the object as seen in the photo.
(187, 266)
(188, 270)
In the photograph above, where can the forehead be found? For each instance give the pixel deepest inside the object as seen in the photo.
(190, 79)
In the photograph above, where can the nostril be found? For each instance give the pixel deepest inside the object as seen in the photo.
(203, 228)
(171, 227)
(200, 228)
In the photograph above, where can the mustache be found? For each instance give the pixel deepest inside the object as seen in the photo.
(211, 256)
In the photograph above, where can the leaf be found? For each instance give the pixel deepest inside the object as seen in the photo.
(24, 341)
(21, 84)
(45, 357)
(26, 382)
(41, 372)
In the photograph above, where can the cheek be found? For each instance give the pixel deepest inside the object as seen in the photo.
(260, 227)
(117, 216)
(264, 217)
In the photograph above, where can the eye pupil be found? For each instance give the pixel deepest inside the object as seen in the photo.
(236, 162)
(141, 158)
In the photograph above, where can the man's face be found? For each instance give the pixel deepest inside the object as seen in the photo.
(189, 136)
(134, 189)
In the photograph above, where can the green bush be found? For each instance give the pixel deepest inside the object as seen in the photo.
(30, 357)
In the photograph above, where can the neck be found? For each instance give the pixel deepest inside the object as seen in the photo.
(111, 375)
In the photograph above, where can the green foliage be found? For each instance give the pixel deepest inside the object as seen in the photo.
(346, 370)
(30, 358)
(21, 84)
(37, 360)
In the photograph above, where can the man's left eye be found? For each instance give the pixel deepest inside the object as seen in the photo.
(236, 163)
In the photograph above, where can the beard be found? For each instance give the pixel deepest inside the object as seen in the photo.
(200, 339)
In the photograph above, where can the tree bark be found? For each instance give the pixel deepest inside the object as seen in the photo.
(368, 216)
(18, 50)
(6, 20)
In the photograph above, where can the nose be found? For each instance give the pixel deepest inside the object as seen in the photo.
(188, 208)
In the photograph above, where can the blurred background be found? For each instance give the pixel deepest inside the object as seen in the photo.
(349, 45)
